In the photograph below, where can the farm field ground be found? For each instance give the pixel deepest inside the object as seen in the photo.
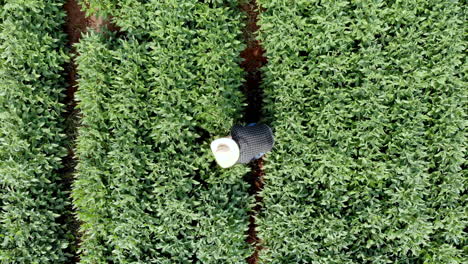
(107, 110)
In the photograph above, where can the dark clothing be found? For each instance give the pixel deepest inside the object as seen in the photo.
(252, 140)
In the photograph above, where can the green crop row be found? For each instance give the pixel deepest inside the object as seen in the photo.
(152, 97)
(32, 198)
(367, 100)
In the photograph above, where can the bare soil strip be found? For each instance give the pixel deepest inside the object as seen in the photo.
(253, 61)
(255, 179)
(76, 24)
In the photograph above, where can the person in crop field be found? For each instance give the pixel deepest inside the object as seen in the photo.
(246, 143)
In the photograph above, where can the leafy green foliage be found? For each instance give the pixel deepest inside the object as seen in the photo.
(128, 13)
(32, 199)
(147, 189)
(368, 102)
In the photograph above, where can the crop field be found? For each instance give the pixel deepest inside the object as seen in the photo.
(367, 101)
(107, 115)
(147, 189)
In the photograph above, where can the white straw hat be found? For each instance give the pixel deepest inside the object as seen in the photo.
(226, 152)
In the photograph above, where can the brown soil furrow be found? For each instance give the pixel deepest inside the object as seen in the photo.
(76, 24)
(254, 59)
(255, 179)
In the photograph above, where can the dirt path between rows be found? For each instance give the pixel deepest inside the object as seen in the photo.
(254, 59)
(76, 24)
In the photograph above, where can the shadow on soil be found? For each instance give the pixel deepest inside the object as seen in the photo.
(254, 59)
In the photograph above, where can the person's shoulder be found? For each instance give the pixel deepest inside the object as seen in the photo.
(236, 128)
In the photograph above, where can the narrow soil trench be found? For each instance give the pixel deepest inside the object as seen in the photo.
(253, 61)
(76, 23)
